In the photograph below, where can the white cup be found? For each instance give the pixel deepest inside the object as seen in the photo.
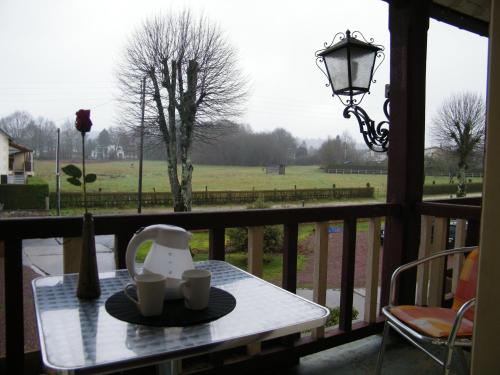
(196, 288)
(150, 289)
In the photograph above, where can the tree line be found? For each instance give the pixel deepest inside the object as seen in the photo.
(234, 144)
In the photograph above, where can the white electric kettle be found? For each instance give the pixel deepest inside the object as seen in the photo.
(169, 255)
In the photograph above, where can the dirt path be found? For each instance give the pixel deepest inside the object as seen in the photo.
(334, 273)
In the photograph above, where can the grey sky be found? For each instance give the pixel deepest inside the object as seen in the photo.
(60, 55)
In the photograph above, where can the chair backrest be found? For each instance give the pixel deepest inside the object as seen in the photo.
(466, 288)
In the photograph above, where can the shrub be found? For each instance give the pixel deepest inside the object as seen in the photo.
(333, 320)
(24, 197)
(259, 203)
(273, 238)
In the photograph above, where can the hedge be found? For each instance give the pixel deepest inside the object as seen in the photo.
(95, 199)
(474, 187)
(24, 197)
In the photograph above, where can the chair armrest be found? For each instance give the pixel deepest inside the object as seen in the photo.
(418, 262)
(458, 320)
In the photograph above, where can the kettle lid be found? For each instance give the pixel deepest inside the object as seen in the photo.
(170, 236)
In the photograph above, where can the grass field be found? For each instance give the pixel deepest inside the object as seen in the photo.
(123, 175)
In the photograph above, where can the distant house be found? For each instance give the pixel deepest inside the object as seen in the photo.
(16, 161)
(112, 152)
(275, 169)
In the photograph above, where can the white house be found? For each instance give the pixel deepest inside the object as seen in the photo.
(16, 161)
(4, 153)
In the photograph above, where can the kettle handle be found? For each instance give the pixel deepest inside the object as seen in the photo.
(132, 247)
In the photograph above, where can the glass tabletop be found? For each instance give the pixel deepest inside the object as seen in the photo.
(80, 335)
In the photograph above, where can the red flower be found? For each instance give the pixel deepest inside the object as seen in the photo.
(83, 123)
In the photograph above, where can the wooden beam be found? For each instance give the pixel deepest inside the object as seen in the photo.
(457, 19)
(486, 327)
(460, 20)
(408, 24)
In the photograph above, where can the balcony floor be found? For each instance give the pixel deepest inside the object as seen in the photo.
(360, 358)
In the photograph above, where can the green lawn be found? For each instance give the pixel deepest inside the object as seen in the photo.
(123, 175)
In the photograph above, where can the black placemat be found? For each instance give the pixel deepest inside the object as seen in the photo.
(175, 314)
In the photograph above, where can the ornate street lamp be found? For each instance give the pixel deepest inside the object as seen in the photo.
(349, 66)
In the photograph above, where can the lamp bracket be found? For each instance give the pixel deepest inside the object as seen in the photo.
(376, 136)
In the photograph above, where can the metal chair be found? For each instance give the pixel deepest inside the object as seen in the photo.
(451, 328)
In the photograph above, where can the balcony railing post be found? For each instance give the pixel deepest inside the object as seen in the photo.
(290, 240)
(423, 270)
(320, 269)
(255, 250)
(72, 247)
(14, 313)
(372, 267)
(436, 279)
(458, 259)
(121, 242)
(216, 244)
(347, 280)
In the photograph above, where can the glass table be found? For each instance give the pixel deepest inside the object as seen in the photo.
(80, 336)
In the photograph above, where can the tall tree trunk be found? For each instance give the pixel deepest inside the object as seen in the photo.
(168, 130)
(461, 179)
(187, 109)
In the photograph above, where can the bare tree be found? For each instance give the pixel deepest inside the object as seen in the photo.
(192, 80)
(459, 128)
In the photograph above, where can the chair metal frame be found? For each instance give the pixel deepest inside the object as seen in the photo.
(412, 335)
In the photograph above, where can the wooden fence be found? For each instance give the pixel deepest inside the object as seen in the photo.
(96, 199)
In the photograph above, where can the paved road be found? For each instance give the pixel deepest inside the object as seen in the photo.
(44, 256)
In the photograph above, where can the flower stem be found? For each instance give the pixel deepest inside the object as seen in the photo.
(83, 172)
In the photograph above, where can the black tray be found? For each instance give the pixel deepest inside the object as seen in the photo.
(175, 314)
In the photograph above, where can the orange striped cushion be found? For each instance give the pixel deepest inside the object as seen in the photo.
(431, 321)
(466, 288)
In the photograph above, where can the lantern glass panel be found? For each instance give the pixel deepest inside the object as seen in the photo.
(362, 61)
(336, 64)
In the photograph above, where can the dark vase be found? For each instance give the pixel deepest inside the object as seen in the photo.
(88, 277)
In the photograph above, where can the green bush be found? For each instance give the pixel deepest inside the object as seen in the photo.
(273, 238)
(24, 197)
(334, 318)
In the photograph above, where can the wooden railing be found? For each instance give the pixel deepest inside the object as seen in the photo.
(445, 224)
(13, 231)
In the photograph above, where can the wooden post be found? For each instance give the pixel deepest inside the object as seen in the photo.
(372, 265)
(408, 24)
(347, 279)
(486, 327)
(72, 247)
(423, 270)
(14, 312)
(289, 281)
(216, 244)
(121, 243)
(436, 278)
(320, 269)
(458, 259)
(255, 250)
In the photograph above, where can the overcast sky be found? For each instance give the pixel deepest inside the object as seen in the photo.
(58, 56)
